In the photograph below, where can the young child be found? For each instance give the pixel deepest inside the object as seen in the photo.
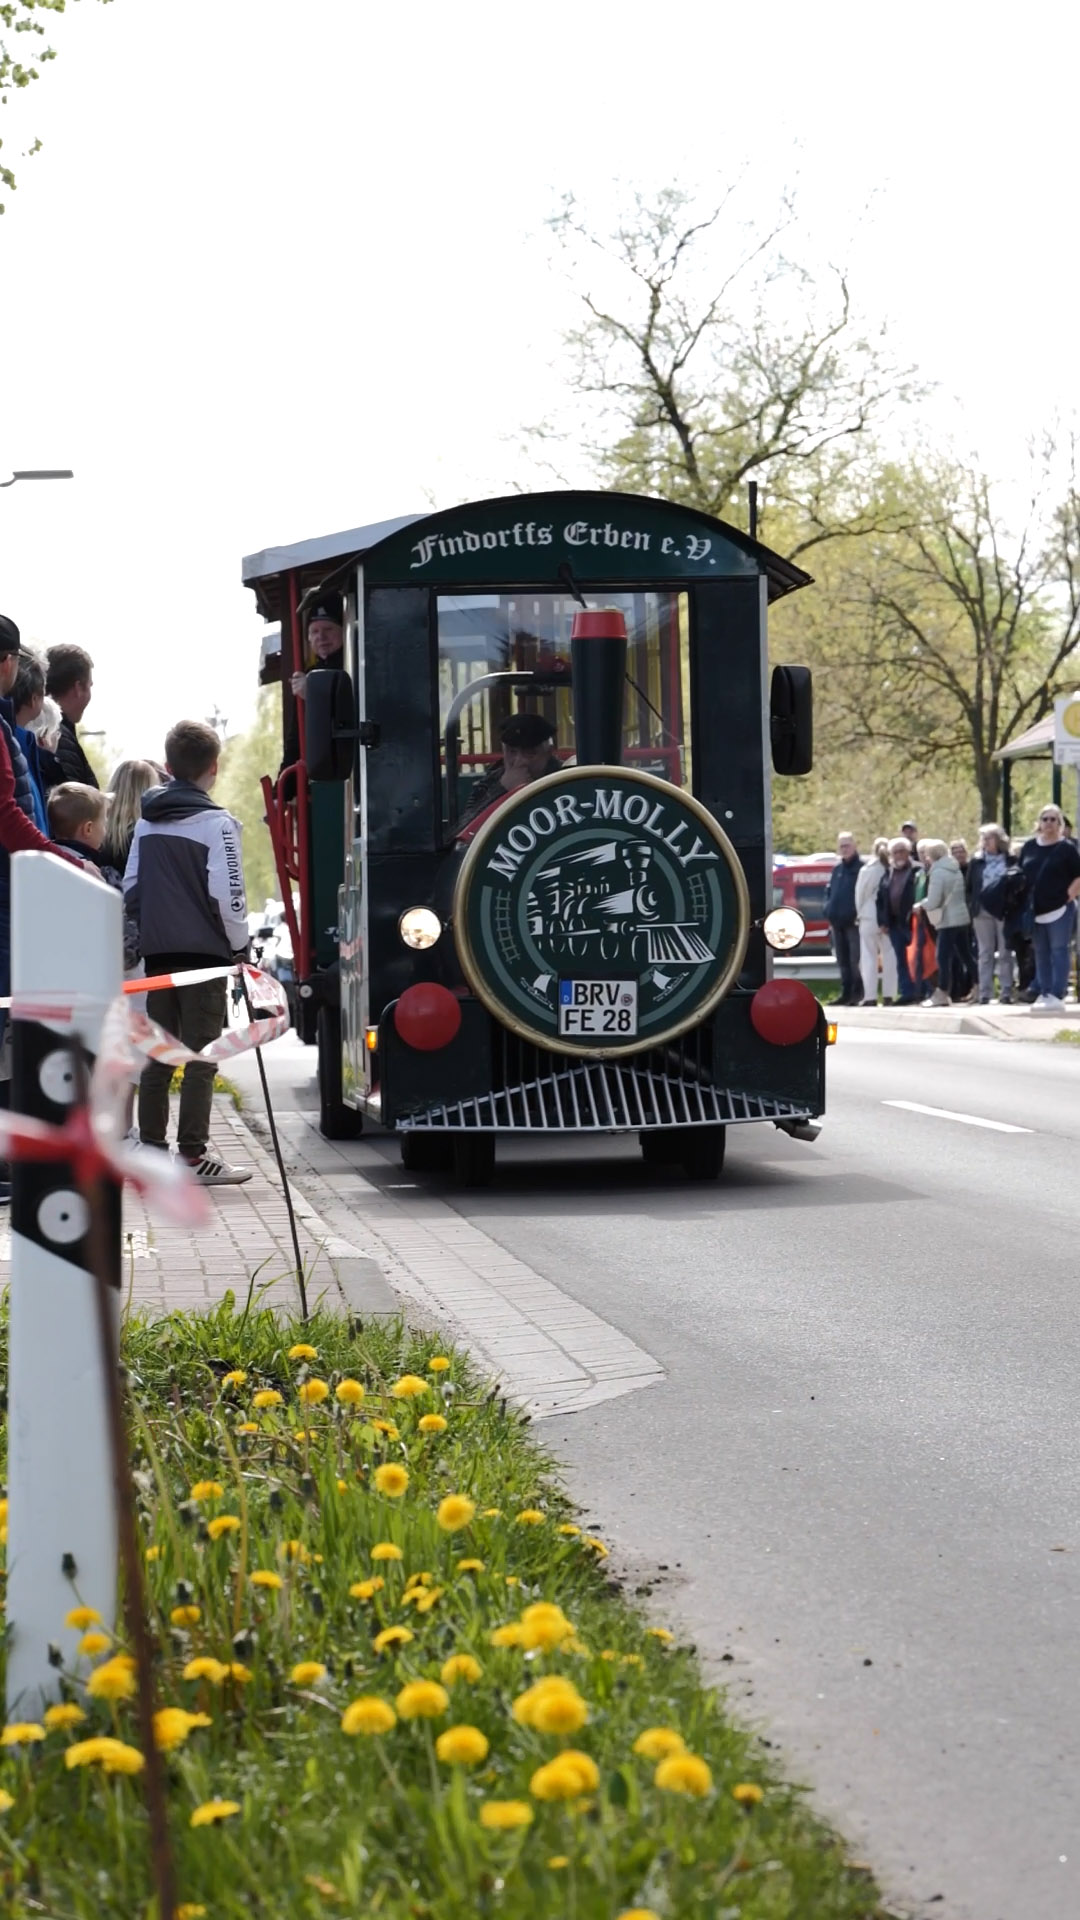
(77, 817)
(184, 883)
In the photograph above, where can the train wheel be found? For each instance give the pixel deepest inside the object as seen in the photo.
(661, 1148)
(336, 1120)
(474, 1159)
(424, 1152)
(701, 1152)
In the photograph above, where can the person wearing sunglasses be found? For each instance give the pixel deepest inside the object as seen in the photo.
(1050, 864)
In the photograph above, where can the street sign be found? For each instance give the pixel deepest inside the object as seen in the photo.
(1067, 731)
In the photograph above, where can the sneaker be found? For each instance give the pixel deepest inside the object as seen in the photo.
(1049, 1003)
(217, 1173)
(1041, 1004)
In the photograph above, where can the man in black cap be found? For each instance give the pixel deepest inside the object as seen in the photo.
(326, 645)
(527, 740)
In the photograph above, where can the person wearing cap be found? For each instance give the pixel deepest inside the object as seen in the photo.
(527, 742)
(326, 648)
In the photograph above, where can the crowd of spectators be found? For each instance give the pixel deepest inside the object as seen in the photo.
(937, 924)
(158, 838)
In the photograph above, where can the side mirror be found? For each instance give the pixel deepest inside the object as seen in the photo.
(791, 719)
(330, 733)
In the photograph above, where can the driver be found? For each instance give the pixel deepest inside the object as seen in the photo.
(527, 742)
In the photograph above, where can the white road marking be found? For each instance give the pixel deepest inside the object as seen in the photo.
(965, 1119)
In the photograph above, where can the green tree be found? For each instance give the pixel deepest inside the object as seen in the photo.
(23, 17)
(959, 631)
(711, 359)
(245, 760)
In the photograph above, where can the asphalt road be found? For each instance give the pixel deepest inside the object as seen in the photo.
(860, 1473)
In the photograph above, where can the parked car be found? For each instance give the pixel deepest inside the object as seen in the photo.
(800, 880)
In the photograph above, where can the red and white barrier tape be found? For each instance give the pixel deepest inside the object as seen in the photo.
(94, 1140)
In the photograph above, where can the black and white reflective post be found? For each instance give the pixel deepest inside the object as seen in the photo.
(67, 947)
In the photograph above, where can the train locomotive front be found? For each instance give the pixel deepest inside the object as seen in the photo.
(582, 946)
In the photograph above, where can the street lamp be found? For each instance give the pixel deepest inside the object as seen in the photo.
(39, 473)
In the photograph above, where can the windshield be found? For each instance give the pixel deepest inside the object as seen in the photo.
(506, 656)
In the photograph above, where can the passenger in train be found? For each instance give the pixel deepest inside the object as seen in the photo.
(528, 743)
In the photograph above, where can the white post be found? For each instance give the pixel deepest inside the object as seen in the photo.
(66, 939)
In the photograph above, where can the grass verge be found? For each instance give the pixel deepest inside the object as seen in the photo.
(395, 1677)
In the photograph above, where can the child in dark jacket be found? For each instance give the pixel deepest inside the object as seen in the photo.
(77, 820)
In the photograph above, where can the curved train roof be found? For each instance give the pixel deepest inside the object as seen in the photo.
(324, 561)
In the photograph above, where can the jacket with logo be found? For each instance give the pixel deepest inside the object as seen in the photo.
(184, 879)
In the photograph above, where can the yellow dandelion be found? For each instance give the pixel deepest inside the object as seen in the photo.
(530, 1517)
(422, 1700)
(21, 1733)
(302, 1351)
(186, 1616)
(565, 1778)
(455, 1512)
(172, 1726)
(293, 1550)
(386, 1550)
(6, 1801)
(409, 1387)
(392, 1637)
(513, 1580)
(207, 1668)
(460, 1666)
(470, 1566)
(552, 1705)
(225, 1523)
(237, 1378)
(113, 1680)
(571, 1531)
(558, 1861)
(491, 1513)
(366, 1589)
(92, 1643)
(660, 1633)
(190, 1910)
(153, 1553)
(432, 1423)
(368, 1715)
(391, 1480)
(597, 1546)
(326, 1887)
(313, 1393)
(420, 1580)
(747, 1793)
(545, 1625)
(248, 1426)
(264, 1577)
(386, 1427)
(206, 1490)
(213, 1811)
(501, 1816)
(305, 1435)
(64, 1714)
(683, 1773)
(440, 1364)
(512, 1635)
(655, 1743)
(631, 1660)
(239, 1673)
(307, 1673)
(342, 1486)
(113, 1756)
(608, 1653)
(267, 1397)
(462, 1746)
(82, 1617)
(639, 1913)
(349, 1393)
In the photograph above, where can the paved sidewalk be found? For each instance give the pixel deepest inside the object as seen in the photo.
(168, 1268)
(993, 1022)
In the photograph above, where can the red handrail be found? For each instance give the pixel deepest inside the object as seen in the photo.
(286, 802)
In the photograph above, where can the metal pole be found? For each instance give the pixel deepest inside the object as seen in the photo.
(278, 1157)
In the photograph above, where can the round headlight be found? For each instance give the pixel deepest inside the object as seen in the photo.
(419, 927)
(783, 928)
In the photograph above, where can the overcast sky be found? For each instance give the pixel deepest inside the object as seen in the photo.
(280, 269)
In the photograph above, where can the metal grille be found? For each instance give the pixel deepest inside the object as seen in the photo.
(586, 1097)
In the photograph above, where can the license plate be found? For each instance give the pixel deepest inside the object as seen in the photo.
(598, 1008)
